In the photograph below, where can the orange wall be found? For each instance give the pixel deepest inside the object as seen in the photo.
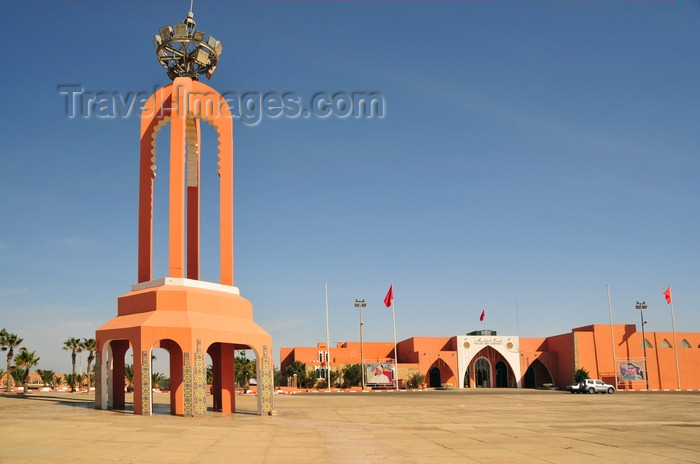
(594, 349)
(440, 352)
(347, 353)
(536, 349)
(589, 347)
(563, 346)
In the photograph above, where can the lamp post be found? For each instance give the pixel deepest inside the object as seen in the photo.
(361, 304)
(641, 306)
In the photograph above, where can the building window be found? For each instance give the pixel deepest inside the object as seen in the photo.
(665, 344)
(685, 344)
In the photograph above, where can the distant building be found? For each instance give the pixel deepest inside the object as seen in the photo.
(485, 359)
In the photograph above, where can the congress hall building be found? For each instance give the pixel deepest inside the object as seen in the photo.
(617, 354)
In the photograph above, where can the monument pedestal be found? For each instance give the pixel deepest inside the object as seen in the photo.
(189, 319)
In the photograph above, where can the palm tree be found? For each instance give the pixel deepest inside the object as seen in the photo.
(278, 377)
(245, 370)
(74, 346)
(210, 375)
(90, 377)
(90, 346)
(335, 376)
(79, 380)
(298, 369)
(156, 378)
(415, 379)
(352, 375)
(129, 376)
(26, 360)
(581, 374)
(17, 375)
(8, 342)
(46, 376)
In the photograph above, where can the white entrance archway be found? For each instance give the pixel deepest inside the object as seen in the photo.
(469, 347)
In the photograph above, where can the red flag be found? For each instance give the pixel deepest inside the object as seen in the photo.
(667, 294)
(483, 315)
(389, 298)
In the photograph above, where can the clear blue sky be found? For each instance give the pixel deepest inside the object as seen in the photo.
(530, 153)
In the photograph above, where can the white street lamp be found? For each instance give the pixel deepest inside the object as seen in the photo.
(641, 307)
(361, 304)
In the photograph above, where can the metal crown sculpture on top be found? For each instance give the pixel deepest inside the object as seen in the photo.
(183, 52)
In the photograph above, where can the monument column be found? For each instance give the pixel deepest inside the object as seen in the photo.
(176, 228)
(178, 312)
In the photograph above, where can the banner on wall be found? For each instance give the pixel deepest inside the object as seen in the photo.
(632, 370)
(379, 374)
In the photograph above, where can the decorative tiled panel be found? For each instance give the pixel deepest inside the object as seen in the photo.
(200, 382)
(98, 380)
(145, 384)
(267, 383)
(187, 383)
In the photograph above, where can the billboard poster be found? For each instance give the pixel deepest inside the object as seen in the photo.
(379, 374)
(631, 370)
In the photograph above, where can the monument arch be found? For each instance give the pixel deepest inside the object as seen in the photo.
(188, 317)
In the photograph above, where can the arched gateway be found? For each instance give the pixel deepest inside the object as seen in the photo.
(488, 361)
(187, 317)
(537, 375)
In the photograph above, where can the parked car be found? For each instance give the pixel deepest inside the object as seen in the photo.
(576, 388)
(596, 386)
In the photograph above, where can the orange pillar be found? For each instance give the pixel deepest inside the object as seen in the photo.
(177, 406)
(228, 380)
(215, 352)
(224, 386)
(177, 178)
(154, 111)
(225, 129)
(193, 197)
(146, 174)
(119, 349)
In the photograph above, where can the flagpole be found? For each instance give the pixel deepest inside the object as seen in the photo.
(327, 354)
(675, 344)
(612, 336)
(393, 321)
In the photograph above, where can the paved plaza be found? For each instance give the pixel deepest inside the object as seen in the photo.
(452, 426)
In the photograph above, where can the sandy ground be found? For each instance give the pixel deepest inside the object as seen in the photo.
(451, 426)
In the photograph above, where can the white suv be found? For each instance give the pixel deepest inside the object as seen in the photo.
(596, 386)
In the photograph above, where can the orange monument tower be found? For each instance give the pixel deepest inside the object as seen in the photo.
(180, 313)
